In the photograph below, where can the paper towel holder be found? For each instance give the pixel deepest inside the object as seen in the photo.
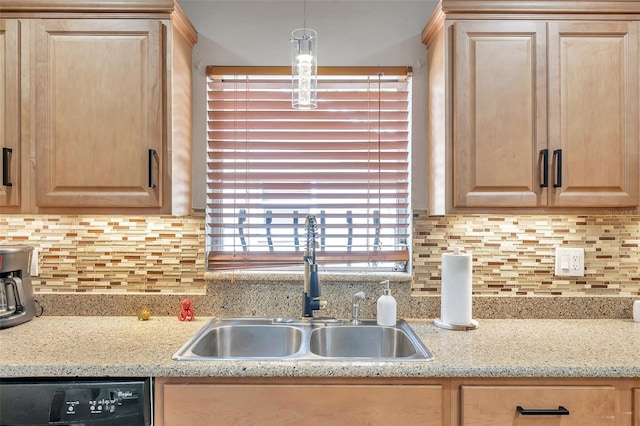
(459, 316)
(471, 326)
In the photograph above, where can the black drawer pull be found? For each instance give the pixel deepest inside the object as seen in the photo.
(561, 411)
(6, 166)
(152, 154)
(544, 154)
(557, 154)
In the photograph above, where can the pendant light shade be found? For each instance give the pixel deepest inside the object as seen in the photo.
(304, 69)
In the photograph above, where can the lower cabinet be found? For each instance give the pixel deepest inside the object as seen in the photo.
(538, 405)
(309, 402)
(544, 402)
(386, 401)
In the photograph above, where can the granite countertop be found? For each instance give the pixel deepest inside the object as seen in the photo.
(124, 346)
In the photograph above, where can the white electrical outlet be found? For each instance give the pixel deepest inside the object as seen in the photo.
(569, 262)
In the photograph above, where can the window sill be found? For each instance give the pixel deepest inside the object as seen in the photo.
(278, 277)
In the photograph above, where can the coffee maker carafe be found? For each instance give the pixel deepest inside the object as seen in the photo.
(16, 293)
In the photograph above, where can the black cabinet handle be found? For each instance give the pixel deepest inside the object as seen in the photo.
(152, 154)
(557, 156)
(6, 166)
(561, 411)
(544, 154)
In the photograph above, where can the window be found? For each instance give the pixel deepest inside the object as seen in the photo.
(346, 163)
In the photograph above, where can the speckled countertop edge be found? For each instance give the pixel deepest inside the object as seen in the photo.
(124, 346)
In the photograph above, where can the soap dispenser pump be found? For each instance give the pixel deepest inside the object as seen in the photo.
(387, 307)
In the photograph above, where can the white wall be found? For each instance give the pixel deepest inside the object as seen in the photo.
(350, 33)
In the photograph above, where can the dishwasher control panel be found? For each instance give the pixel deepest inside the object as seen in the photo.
(73, 401)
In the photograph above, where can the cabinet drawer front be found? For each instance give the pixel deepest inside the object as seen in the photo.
(496, 405)
(308, 405)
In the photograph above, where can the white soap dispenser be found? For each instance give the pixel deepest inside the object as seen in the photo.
(387, 307)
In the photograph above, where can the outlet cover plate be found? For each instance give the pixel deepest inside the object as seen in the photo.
(569, 262)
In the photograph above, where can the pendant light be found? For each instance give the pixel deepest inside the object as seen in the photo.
(304, 66)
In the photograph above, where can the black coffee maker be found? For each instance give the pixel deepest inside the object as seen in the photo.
(16, 293)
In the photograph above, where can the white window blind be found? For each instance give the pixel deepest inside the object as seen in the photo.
(269, 166)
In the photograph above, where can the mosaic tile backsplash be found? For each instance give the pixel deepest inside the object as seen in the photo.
(515, 255)
(512, 255)
(110, 254)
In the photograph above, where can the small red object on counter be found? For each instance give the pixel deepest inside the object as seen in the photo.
(186, 314)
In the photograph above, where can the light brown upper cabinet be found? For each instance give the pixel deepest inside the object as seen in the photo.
(499, 113)
(530, 114)
(9, 113)
(105, 117)
(593, 113)
(99, 113)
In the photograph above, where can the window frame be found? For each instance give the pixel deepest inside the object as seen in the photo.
(237, 259)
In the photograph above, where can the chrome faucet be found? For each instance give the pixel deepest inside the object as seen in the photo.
(311, 293)
(355, 319)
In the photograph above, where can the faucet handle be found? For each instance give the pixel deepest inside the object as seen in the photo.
(359, 296)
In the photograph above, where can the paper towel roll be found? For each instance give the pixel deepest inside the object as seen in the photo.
(456, 288)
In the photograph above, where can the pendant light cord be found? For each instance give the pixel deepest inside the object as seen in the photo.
(304, 14)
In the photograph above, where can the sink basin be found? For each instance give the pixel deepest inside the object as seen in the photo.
(297, 339)
(244, 341)
(361, 342)
(241, 338)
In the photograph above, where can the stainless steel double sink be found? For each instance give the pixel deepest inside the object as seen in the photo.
(296, 339)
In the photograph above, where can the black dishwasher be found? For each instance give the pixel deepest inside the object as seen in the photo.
(75, 401)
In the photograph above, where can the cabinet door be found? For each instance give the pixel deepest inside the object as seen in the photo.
(593, 113)
(294, 405)
(99, 138)
(499, 113)
(497, 405)
(9, 113)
